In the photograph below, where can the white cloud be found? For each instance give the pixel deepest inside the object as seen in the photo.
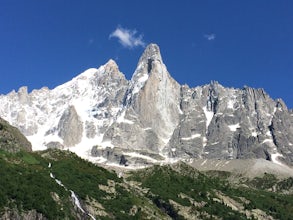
(210, 36)
(128, 38)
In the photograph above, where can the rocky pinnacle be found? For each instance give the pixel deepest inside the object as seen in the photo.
(151, 117)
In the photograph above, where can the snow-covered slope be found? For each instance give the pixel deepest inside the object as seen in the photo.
(149, 119)
(94, 96)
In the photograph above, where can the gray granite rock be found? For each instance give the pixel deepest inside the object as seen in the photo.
(70, 127)
(152, 113)
(11, 139)
(54, 145)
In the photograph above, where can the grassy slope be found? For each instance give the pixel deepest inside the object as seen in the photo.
(158, 192)
(167, 183)
(25, 184)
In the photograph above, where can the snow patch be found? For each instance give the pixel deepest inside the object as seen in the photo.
(234, 127)
(134, 154)
(191, 137)
(230, 104)
(140, 83)
(147, 129)
(83, 149)
(204, 141)
(217, 164)
(254, 134)
(267, 141)
(105, 144)
(100, 160)
(129, 167)
(180, 111)
(268, 133)
(169, 160)
(37, 141)
(274, 158)
(86, 74)
(209, 116)
(203, 162)
(121, 119)
(165, 140)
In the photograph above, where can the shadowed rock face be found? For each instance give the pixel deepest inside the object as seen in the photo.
(11, 139)
(153, 115)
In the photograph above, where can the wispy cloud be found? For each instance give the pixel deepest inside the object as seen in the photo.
(128, 38)
(210, 36)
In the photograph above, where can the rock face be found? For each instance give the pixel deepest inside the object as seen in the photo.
(70, 127)
(152, 116)
(11, 139)
(225, 123)
(28, 215)
(150, 109)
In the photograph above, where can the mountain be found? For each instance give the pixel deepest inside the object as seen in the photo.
(151, 119)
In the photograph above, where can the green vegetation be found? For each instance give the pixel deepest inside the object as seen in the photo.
(285, 185)
(177, 191)
(27, 188)
(84, 177)
(265, 182)
(11, 138)
(28, 158)
(167, 184)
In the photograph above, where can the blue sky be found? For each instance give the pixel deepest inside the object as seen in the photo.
(48, 42)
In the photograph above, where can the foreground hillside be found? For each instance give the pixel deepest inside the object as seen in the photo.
(11, 139)
(57, 184)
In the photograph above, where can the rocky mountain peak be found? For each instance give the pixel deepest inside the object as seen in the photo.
(151, 53)
(111, 66)
(150, 57)
(109, 74)
(100, 113)
(150, 66)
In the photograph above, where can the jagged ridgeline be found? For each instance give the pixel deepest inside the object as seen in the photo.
(236, 144)
(56, 184)
(151, 119)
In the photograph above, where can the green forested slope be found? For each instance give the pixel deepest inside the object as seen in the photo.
(159, 192)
